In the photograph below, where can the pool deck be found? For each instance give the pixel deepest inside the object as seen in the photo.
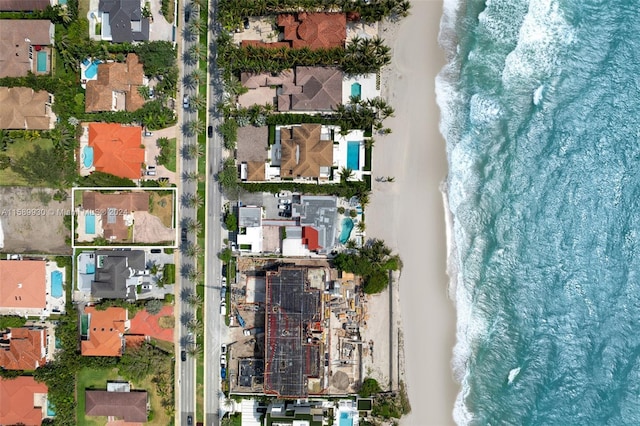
(340, 153)
(367, 83)
(84, 142)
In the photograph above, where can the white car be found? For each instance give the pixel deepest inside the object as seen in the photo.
(223, 349)
(284, 201)
(223, 308)
(223, 360)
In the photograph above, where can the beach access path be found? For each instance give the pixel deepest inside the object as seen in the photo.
(408, 212)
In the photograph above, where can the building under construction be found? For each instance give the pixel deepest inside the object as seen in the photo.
(294, 334)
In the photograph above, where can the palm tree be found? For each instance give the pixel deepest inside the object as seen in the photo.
(186, 340)
(195, 127)
(192, 250)
(194, 300)
(195, 26)
(64, 14)
(351, 244)
(193, 150)
(185, 294)
(185, 270)
(196, 52)
(197, 102)
(185, 317)
(390, 179)
(361, 226)
(192, 200)
(194, 226)
(198, 75)
(189, 59)
(345, 174)
(190, 176)
(188, 34)
(193, 350)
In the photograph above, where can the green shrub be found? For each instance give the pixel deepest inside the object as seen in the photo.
(369, 387)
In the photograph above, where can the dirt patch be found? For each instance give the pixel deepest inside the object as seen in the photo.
(167, 321)
(162, 207)
(32, 221)
(149, 228)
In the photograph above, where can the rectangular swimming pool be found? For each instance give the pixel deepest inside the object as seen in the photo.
(41, 61)
(56, 284)
(353, 155)
(345, 419)
(90, 224)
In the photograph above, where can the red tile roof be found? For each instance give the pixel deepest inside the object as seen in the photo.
(18, 401)
(314, 30)
(310, 238)
(26, 349)
(106, 329)
(116, 149)
(146, 324)
(23, 284)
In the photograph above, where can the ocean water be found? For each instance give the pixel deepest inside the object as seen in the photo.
(540, 106)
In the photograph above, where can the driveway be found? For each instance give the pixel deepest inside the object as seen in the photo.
(160, 29)
(152, 151)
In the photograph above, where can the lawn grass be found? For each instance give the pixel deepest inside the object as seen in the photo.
(171, 155)
(83, 9)
(96, 378)
(17, 149)
(169, 273)
(162, 207)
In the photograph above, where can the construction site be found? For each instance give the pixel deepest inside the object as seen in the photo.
(295, 328)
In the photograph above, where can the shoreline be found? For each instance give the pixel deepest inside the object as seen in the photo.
(409, 215)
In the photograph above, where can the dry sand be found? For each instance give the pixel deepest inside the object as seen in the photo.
(408, 213)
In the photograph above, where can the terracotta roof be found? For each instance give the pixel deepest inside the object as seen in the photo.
(16, 35)
(116, 149)
(310, 238)
(22, 284)
(303, 152)
(105, 331)
(321, 89)
(314, 30)
(130, 406)
(255, 171)
(25, 350)
(23, 5)
(20, 402)
(116, 77)
(23, 108)
(114, 208)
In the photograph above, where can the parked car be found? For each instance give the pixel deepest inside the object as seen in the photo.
(284, 201)
(283, 206)
(189, 421)
(151, 167)
(156, 251)
(183, 235)
(210, 131)
(223, 308)
(185, 102)
(147, 286)
(147, 133)
(150, 173)
(223, 292)
(152, 93)
(245, 23)
(223, 360)
(183, 355)
(223, 373)
(223, 348)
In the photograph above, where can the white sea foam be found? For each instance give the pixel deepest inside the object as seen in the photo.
(537, 95)
(513, 374)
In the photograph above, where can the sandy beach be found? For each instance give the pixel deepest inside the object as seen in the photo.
(408, 212)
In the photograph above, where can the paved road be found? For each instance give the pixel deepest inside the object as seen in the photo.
(214, 323)
(187, 369)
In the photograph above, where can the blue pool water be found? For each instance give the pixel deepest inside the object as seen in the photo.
(353, 155)
(356, 90)
(50, 409)
(90, 224)
(87, 156)
(92, 69)
(345, 419)
(540, 113)
(56, 284)
(90, 269)
(41, 61)
(347, 226)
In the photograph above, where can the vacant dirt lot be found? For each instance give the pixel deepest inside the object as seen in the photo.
(32, 222)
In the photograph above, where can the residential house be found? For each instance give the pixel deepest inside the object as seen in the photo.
(250, 229)
(293, 413)
(312, 30)
(128, 406)
(24, 108)
(305, 153)
(252, 149)
(23, 5)
(115, 211)
(102, 332)
(122, 21)
(117, 149)
(23, 348)
(25, 45)
(315, 229)
(118, 274)
(116, 88)
(302, 89)
(23, 287)
(23, 401)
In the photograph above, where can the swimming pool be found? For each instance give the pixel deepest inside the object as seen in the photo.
(87, 156)
(56, 284)
(41, 62)
(346, 419)
(356, 90)
(90, 224)
(92, 69)
(90, 269)
(353, 155)
(347, 226)
(50, 409)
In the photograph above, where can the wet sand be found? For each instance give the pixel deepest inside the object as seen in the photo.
(408, 212)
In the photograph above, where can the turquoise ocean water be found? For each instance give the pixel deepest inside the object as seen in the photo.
(541, 116)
